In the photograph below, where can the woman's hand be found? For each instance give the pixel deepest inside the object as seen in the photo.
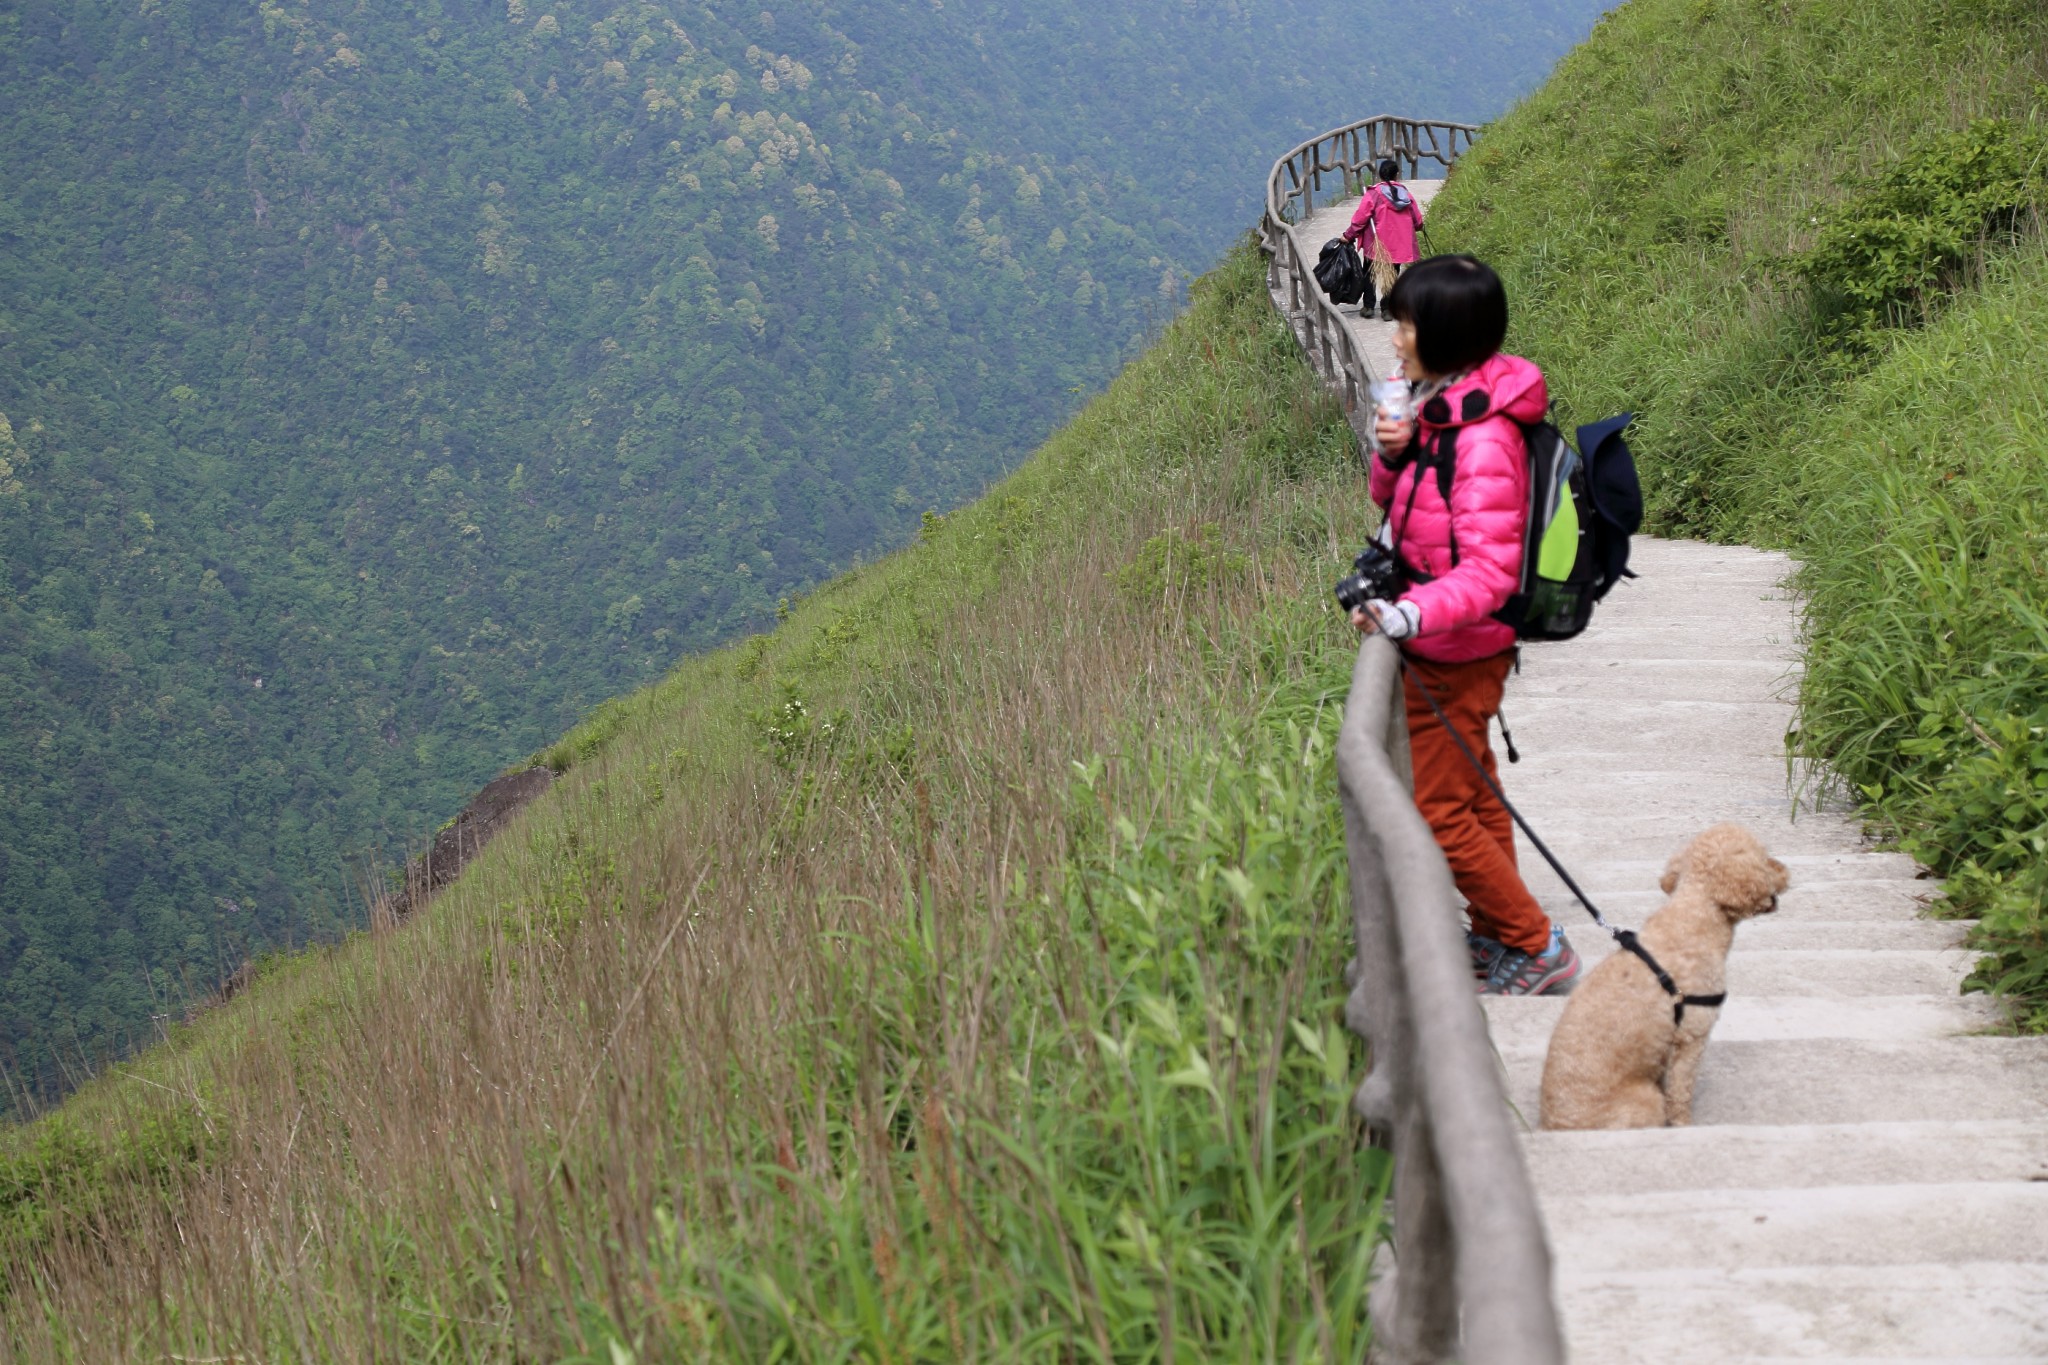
(1395, 620)
(1393, 436)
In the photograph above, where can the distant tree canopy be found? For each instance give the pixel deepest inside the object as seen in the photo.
(383, 385)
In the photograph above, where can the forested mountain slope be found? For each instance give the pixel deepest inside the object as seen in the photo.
(385, 385)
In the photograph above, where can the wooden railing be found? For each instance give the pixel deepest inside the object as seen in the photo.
(1339, 165)
(1468, 1239)
(1471, 1275)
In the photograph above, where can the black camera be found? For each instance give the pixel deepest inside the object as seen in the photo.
(1377, 573)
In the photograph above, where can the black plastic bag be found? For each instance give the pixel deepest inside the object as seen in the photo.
(1340, 273)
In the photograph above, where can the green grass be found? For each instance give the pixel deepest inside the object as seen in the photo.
(953, 973)
(1800, 239)
(1927, 549)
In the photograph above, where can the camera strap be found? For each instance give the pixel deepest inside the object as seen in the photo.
(1625, 938)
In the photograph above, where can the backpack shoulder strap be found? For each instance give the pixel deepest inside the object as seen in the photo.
(1445, 459)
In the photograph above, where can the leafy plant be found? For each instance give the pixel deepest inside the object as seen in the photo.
(1883, 255)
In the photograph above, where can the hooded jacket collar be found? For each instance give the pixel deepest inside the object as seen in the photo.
(1503, 384)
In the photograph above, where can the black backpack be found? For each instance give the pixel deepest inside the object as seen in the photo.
(1582, 510)
(1339, 272)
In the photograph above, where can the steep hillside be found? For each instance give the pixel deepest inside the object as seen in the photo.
(386, 385)
(953, 973)
(1803, 241)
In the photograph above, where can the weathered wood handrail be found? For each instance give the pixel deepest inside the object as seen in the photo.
(1352, 152)
(1469, 1244)
(1346, 155)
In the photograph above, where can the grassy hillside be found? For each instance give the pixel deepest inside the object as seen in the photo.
(952, 974)
(1802, 240)
(386, 385)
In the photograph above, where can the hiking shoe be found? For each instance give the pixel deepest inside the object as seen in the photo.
(1485, 952)
(1549, 973)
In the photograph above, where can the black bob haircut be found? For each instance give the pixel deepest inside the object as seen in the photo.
(1459, 310)
(1390, 169)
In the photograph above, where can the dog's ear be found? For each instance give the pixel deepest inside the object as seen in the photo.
(1741, 876)
(1673, 870)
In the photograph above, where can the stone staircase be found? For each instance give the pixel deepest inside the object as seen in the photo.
(1867, 1177)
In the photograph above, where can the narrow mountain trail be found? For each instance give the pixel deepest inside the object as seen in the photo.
(1375, 339)
(1867, 1174)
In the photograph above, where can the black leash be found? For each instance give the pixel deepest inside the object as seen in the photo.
(1625, 937)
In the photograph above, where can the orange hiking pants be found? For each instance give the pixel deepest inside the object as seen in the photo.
(1471, 826)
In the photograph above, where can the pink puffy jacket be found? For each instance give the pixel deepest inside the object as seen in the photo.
(1489, 507)
(1389, 214)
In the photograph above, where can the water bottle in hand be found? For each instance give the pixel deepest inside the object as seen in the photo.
(1393, 399)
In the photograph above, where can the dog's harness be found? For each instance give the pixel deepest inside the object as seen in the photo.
(1626, 938)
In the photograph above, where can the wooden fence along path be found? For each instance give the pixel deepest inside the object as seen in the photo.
(1867, 1174)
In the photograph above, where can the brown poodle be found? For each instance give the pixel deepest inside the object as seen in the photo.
(1617, 1058)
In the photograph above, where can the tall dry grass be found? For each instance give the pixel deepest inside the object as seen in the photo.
(952, 975)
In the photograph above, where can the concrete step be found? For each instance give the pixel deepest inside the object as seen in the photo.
(1895, 899)
(1826, 974)
(1658, 835)
(1845, 1080)
(1670, 639)
(1619, 718)
(1778, 932)
(1985, 1312)
(1698, 560)
(1521, 1028)
(1958, 1222)
(1586, 759)
(1569, 1165)
(1623, 794)
(1560, 673)
(1808, 870)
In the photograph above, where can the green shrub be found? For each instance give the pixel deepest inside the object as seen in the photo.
(1883, 256)
(1176, 562)
(1927, 666)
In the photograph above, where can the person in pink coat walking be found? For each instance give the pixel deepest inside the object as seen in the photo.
(1454, 480)
(1383, 229)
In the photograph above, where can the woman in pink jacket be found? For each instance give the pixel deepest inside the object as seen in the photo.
(1383, 227)
(1454, 481)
